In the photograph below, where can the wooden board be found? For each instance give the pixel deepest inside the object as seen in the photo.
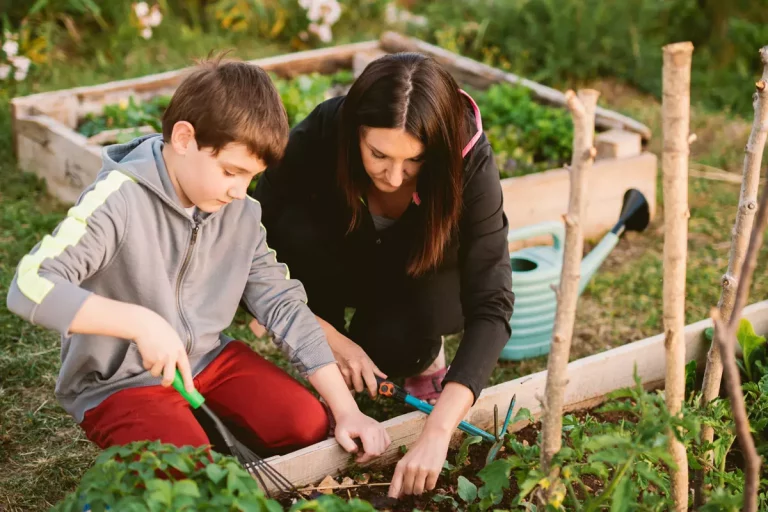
(91, 99)
(481, 75)
(605, 186)
(590, 380)
(61, 156)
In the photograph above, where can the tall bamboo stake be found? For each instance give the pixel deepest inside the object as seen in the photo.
(740, 235)
(676, 104)
(582, 109)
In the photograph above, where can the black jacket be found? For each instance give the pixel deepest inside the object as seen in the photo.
(477, 260)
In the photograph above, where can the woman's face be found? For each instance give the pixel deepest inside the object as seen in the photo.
(391, 157)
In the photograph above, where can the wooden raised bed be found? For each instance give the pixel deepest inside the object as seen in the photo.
(47, 144)
(590, 380)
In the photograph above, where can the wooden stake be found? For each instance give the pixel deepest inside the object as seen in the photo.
(675, 108)
(582, 109)
(725, 332)
(740, 237)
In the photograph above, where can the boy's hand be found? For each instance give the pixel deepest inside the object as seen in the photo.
(374, 437)
(159, 345)
(162, 351)
(350, 422)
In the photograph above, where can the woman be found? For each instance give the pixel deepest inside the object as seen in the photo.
(388, 201)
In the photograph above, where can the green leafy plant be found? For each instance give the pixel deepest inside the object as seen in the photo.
(526, 136)
(753, 348)
(305, 92)
(754, 362)
(150, 476)
(127, 114)
(626, 458)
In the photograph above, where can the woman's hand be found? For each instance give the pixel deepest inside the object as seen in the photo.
(356, 367)
(418, 470)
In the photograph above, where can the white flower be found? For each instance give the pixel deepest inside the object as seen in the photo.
(141, 9)
(11, 48)
(155, 17)
(332, 12)
(146, 33)
(5, 70)
(314, 11)
(323, 32)
(21, 64)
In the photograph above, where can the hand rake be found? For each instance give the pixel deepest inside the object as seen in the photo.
(252, 463)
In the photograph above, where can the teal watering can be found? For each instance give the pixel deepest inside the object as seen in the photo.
(535, 270)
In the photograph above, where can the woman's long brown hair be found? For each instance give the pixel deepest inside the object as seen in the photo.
(412, 92)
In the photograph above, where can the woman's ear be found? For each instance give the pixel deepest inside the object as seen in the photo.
(183, 137)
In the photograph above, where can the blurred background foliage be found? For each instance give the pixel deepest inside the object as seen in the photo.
(550, 41)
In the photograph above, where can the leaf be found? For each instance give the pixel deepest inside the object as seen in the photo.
(186, 488)
(215, 473)
(159, 491)
(749, 343)
(622, 496)
(709, 334)
(176, 461)
(495, 476)
(439, 498)
(653, 475)
(520, 415)
(463, 453)
(467, 490)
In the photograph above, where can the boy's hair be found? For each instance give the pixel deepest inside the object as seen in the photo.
(229, 101)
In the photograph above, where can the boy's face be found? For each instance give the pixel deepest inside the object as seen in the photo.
(211, 181)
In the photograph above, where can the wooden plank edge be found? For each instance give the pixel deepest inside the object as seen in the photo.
(160, 79)
(604, 118)
(311, 464)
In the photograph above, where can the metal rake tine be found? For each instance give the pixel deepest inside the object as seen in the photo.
(255, 472)
(275, 477)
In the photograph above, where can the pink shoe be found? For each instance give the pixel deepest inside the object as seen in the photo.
(426, 387)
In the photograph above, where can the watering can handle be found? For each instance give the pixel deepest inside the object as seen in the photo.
(554, 228)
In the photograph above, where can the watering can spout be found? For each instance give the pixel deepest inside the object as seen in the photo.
(635, 216)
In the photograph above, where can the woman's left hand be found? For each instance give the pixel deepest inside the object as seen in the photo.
(418, 470)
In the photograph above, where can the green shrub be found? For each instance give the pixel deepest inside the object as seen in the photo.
(561, 41)
(127, 478)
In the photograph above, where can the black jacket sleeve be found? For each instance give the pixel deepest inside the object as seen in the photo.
(486, 274)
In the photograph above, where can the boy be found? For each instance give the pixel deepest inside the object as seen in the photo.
(150, 266)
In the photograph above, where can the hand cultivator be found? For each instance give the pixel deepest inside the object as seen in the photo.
(252, 463)
(390, 389)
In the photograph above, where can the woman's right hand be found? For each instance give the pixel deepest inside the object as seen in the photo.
(358, 370)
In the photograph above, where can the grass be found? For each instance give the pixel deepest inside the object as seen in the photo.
(43, 453)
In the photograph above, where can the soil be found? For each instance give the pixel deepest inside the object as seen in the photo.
(377, 495)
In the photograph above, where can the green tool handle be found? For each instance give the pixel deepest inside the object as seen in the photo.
(194, 398)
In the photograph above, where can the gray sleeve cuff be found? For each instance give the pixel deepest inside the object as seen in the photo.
(310, 357)
(60, 306)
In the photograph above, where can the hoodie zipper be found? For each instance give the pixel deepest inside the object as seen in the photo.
(187, 257)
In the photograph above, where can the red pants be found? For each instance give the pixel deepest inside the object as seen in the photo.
(262, 406)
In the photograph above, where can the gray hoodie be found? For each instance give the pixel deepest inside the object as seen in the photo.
(129, 239)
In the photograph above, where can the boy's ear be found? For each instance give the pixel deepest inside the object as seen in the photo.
(183, 137)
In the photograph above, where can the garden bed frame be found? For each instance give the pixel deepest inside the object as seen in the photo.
(590, 380)
(46, 143)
